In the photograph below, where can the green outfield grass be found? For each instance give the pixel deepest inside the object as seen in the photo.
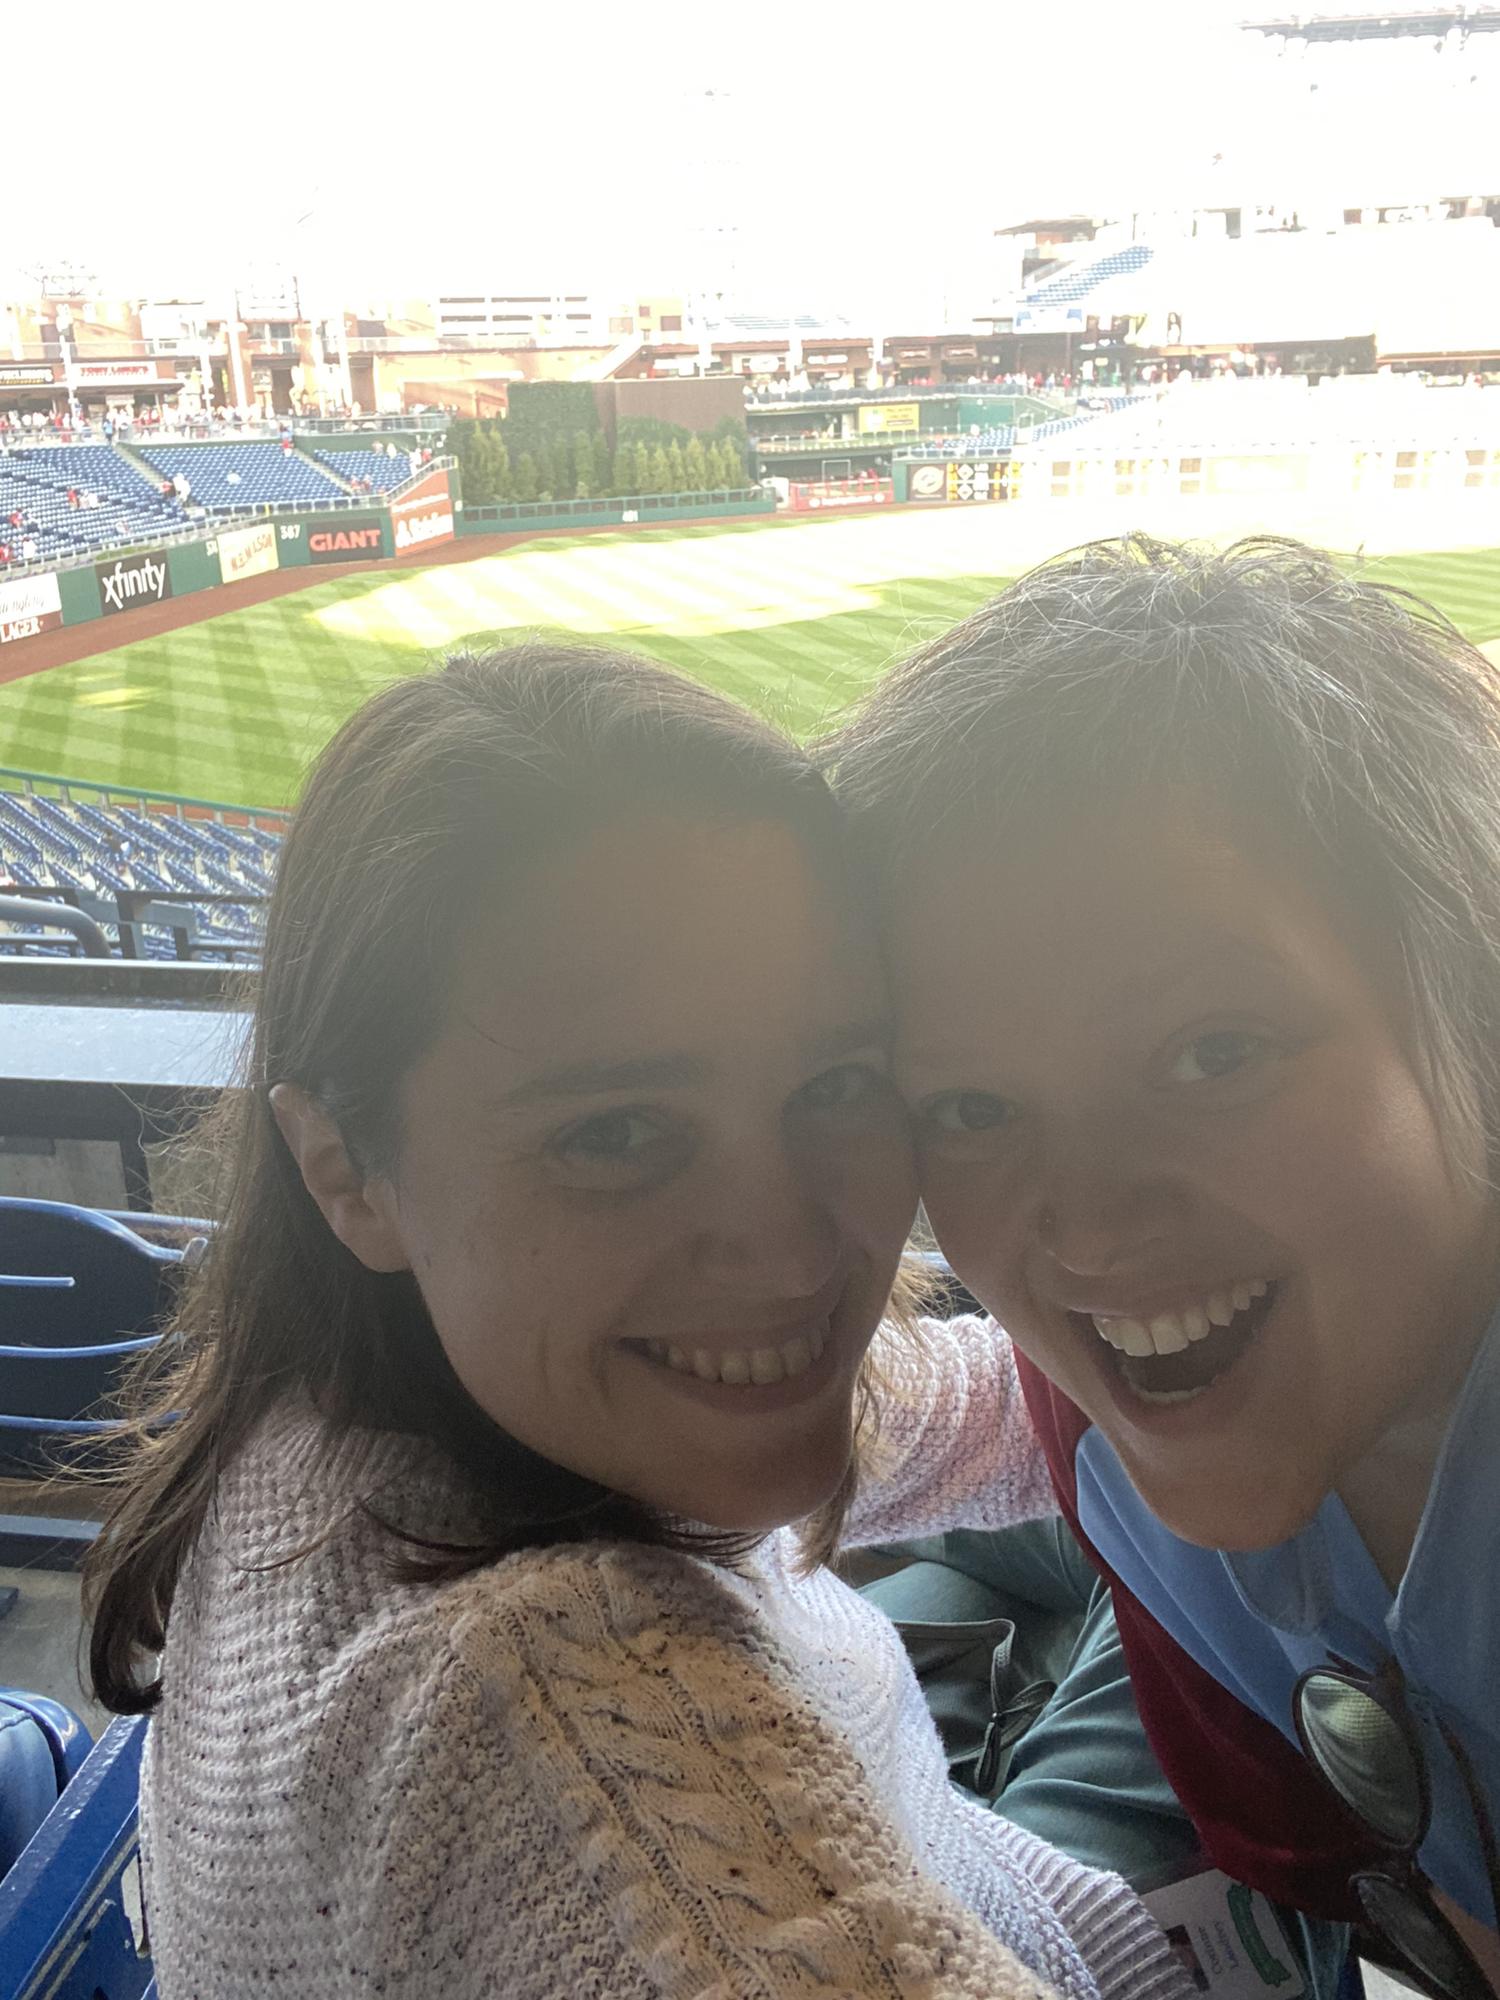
(794, 618)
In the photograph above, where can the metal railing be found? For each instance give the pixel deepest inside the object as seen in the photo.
(74, 791)
(636, 504)
(906, 392)
(780, 445)
(210, 430)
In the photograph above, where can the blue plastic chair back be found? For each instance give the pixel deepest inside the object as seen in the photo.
(42, 1747)
(79, 1294)
(69, 1908)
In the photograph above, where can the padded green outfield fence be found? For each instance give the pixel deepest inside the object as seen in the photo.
(647, 509)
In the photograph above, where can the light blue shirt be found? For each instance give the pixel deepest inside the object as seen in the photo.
(1256, 1621)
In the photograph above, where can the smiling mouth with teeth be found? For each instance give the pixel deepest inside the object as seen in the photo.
(1174, 1357)
(741, 1367)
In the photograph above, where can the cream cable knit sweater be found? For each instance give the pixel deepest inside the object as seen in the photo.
(594, 1772)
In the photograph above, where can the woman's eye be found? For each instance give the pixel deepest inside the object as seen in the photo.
(614, 1135)
(965, 1112)
(1221, 1053)
(615, 1147)
(842, 1088)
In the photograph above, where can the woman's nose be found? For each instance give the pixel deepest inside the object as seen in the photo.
(1100, 1210)
(766, 1226)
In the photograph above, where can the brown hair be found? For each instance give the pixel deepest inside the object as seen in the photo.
(435, 785)
(1342, 719)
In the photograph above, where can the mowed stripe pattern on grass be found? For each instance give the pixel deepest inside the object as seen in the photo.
(794, 619)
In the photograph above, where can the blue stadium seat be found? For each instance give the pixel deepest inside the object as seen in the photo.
(35, 481)
(79, 1295)
(222, 477)
(382, 469)
(42, 1747)
(100, 850)
(1087, 274)
(69, 1908)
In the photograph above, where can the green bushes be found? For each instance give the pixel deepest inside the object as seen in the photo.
(551, 447)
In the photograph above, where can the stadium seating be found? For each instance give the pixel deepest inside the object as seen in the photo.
(1071, 286)
(103, 850)
(35, 483)
(1002, 437)
(79, 1295)
(223, 477)
(382, 469)
(42, 1748)
(70, 1906)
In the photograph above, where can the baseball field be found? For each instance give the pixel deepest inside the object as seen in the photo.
(792, 617)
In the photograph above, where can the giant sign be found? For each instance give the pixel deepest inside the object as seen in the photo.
(248, 552)
(345, 538)
(26, 378)
(29, 605)
(424, 515)
(132, 580)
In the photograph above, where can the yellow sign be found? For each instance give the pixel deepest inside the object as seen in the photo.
(878, 417)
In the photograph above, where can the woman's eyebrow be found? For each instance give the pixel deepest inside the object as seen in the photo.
(597, 1077)
(1214, 955)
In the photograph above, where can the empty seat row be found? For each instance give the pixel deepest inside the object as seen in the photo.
(226, 476)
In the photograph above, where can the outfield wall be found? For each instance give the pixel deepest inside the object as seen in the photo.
(642, 510)
(422, 514)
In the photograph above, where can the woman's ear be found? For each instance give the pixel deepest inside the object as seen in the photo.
(358, 1211)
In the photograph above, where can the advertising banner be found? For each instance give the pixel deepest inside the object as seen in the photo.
(927, 482)
(425, 515)
(975, 479)
(114, 374)
(350, 538)
(821, 493)
(29, 605)
(26, 378)
(248, 552)
(961, 479)
(132, 580)
(877, 417)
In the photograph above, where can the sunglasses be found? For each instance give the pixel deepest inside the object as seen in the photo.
(1358, 1734)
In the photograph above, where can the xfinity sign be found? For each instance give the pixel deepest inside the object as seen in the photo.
(132, 580)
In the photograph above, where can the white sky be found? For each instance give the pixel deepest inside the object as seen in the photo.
(581, 144)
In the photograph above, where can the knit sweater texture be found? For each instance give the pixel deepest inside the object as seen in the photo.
(598, 1771)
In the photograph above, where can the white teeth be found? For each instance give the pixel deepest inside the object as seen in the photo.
(1169, 1395)
(738, 1365)
(796, 1356)
(1170, 1333)
(1131, 1336)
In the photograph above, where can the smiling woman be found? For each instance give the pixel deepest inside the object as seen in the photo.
(475, 1518)
(1191, 865)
